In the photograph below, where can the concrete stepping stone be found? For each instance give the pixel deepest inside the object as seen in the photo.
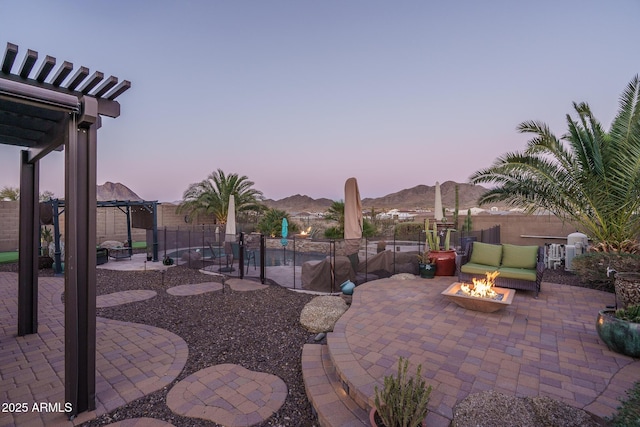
(228, 394)
(197, 289)
(124, 297)
(140, 422)
(245, 285)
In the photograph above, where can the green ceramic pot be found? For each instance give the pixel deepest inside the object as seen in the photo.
(427, 271)
(619, 335)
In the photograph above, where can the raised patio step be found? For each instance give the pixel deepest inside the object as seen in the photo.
(334, 408)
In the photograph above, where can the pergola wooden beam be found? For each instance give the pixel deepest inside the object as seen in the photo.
(46, 67)
(62, 73)
(9, 57)
(27, 65)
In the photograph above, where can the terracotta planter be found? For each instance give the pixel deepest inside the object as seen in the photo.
(619, 335)
(445, 262)
(373, 413)
(627, 289)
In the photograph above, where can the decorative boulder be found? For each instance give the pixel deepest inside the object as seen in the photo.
(497, 409)
(322, 313)
(191, 256)
(110, 244)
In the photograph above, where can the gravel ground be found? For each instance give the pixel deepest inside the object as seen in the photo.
(259, 330)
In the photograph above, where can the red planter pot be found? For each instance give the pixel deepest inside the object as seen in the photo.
(445, 262)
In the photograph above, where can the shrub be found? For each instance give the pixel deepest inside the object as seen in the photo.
(628, 414)
(592, 267)
(409, 230)
(403, 400)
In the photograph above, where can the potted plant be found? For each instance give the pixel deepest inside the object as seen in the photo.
(426, 265)
(620, 329)
(403, 400)
(444, 257)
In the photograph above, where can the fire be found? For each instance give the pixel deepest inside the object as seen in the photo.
(305, 232)
(481, 288)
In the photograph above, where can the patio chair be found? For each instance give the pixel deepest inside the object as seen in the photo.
(225, 253)
(249, 254)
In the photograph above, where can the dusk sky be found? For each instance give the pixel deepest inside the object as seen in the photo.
(301, 95)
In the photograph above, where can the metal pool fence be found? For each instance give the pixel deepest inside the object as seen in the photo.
(269, 259)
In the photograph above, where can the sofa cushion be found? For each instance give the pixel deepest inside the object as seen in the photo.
(486, 254)
(478, 269)
(517, 273)
(515, 256)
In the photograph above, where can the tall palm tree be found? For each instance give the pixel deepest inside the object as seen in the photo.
(211, 196)
(589, 176)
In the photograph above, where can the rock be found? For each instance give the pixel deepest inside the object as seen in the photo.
(404, 276)
(497, 409)
(322, 313)
(110, 244)
(191, 256)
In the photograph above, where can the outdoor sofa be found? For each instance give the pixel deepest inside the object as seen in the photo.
(520, 267)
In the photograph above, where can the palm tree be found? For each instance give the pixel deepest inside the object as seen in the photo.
(10, 193)
(211, 196)
(589, 177)
(271, 223)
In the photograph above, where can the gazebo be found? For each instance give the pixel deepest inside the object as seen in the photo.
(43, 114)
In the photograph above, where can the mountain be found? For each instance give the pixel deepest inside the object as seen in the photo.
(420, 196)
(110, 191)
(424, 196)
(299, 203)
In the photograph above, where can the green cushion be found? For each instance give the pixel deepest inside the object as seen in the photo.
(481, 269)
(517, 273)
(486, 254)
(516, 256)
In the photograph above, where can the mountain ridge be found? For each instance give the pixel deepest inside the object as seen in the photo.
(418, 197)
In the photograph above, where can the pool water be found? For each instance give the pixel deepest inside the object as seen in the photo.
(273, 257)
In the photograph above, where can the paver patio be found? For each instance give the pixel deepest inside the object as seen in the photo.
(545, 346)
(536, 347)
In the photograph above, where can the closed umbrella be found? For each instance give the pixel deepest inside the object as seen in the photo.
(352, 218)
(437, 214)
(230, 231)
(285, 232)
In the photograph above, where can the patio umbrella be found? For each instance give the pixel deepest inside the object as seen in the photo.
(437, 214)
(230, 231)
(285, 232)
(352, 217)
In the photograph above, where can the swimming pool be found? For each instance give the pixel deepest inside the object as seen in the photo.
(273, 257)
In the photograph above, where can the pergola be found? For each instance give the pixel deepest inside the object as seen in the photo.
(43, 114)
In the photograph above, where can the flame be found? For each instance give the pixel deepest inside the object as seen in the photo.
(305, 232)
(481, 288)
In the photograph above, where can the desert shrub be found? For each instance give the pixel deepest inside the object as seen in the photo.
(592, 267)
(409, 230)
(334, 233)
(628, 414)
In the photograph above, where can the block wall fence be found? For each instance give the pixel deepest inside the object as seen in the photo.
(112, 225)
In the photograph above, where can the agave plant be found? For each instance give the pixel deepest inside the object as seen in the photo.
(589, 176)
(630, 314)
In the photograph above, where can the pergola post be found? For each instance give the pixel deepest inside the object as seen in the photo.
(29, 235)
(80, 266)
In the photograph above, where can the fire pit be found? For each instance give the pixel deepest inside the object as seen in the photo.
(482, 295)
